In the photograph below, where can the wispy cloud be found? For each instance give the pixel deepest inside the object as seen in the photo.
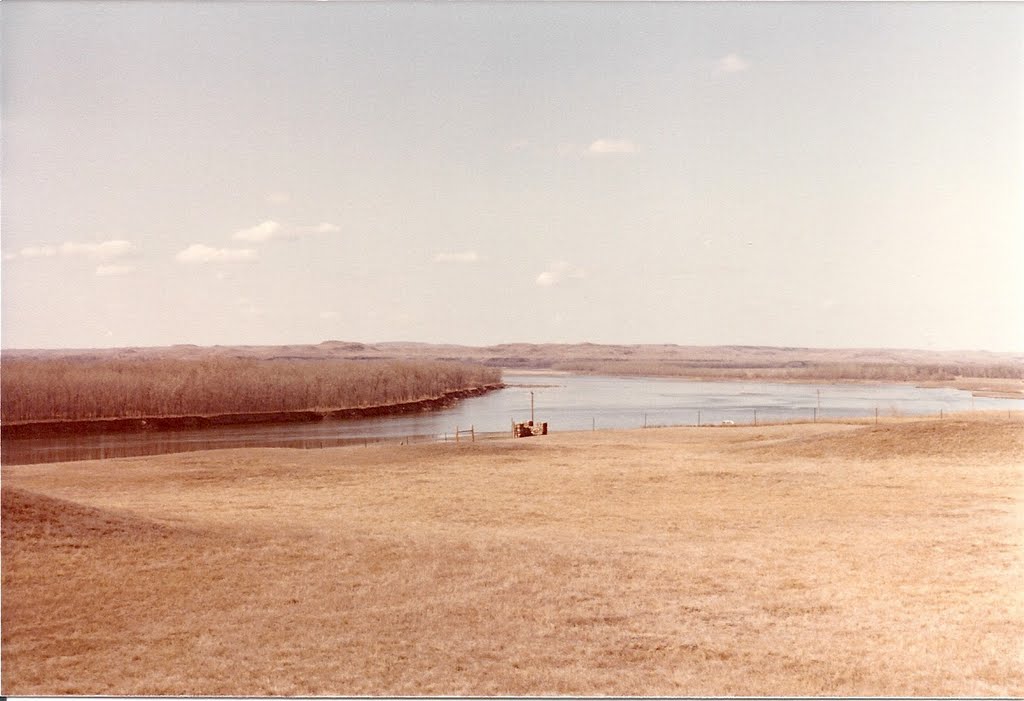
(267, 230)
(733, 63)
(201, 253)
(104, 250)
(38, 251)
(100, 251)
(558, 272)
(606, 146)
(464, 257)
(114, 269)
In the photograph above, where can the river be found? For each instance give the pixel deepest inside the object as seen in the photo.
(566, 402)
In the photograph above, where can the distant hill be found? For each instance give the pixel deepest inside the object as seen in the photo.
(710, 362)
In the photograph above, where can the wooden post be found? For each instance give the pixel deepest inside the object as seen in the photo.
(531, 408)
(456, 434)
(815, 414)
(755, 417)
(472, 434)
(593, 423)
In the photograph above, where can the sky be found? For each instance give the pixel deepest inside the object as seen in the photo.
(787, 174)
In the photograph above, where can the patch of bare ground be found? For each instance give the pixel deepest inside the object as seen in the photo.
(811, 559)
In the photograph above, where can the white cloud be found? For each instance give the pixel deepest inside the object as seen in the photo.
(558, 272)
(464, 257)
(115, 269)
(38, 251)
(733, 63)
(263, 231)
(278, 198)
(99, 251)
(104, 250)
(602, 146)
(200, 253)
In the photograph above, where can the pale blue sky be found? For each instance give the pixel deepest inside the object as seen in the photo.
(795, 174)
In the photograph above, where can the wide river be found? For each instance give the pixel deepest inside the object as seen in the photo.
(566, 402)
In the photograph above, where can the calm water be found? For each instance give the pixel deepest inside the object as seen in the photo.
(566, 402)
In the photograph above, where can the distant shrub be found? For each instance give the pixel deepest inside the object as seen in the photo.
(68, 388)
(712, 370)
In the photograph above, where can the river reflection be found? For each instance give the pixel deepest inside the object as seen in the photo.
(566, 402)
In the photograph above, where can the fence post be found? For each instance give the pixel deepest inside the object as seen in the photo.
(593, 423)
(755, 417)
(472, 434)
(456, 434)
(815, 414)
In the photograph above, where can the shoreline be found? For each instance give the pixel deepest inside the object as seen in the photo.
(45, 429)
(988, 387)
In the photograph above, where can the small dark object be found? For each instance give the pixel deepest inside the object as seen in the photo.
(527, 429)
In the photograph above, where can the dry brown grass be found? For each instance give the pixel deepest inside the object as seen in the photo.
(795, 559)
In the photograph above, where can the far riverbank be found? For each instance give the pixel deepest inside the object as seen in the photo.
(43, 429)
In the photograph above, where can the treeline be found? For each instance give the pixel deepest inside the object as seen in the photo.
(77, 389)
(875, 372)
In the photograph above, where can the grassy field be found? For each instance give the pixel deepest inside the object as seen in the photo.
(840, 559)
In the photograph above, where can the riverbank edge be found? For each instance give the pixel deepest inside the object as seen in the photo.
(981, 387)
(45, 429)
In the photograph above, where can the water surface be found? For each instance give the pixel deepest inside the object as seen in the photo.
(566, 402)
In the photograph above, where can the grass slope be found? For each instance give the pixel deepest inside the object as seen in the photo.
(810, 559)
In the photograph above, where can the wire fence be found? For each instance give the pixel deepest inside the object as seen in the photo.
(105, 447)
